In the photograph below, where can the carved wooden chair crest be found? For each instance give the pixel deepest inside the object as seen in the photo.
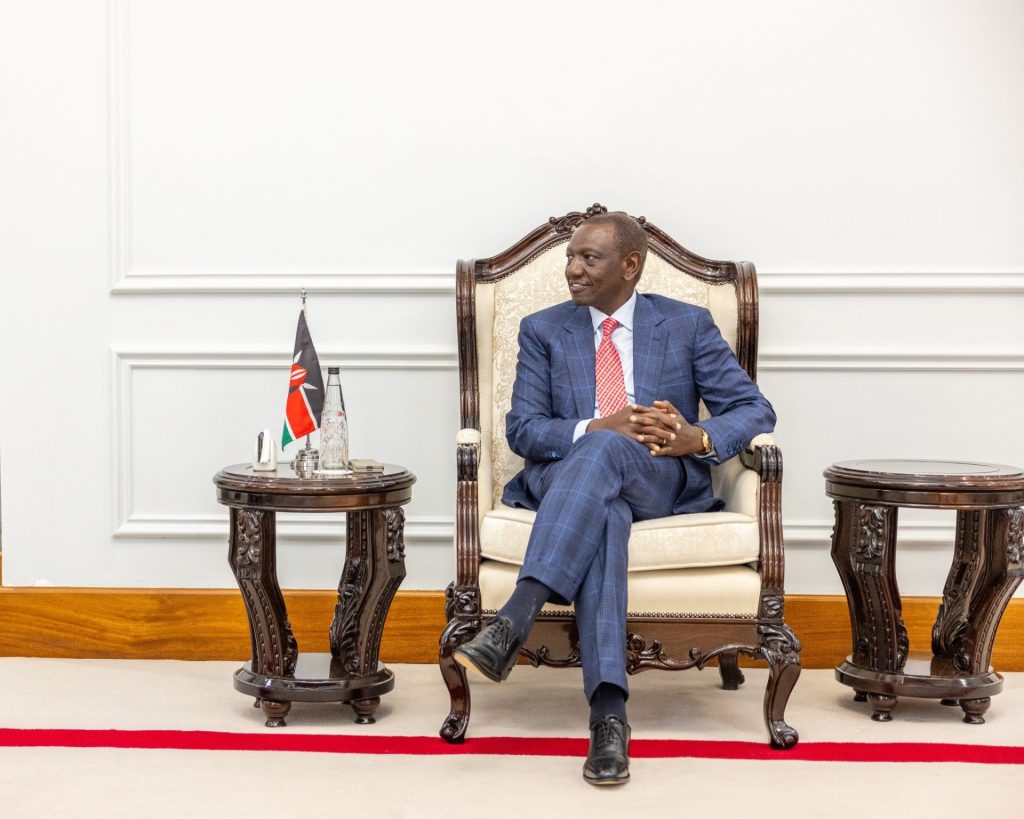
(702, 587)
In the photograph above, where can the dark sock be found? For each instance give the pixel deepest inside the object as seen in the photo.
(608, 700)
(525, 604)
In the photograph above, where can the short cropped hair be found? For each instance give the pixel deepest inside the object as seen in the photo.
(629, 235)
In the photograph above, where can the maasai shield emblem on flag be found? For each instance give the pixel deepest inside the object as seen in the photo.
(305, 389)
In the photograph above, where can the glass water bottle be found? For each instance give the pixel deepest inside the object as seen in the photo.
(334, 426)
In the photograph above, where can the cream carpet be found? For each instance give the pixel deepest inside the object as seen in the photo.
(80, 701)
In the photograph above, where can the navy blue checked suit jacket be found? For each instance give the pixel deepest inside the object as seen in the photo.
(679, 355)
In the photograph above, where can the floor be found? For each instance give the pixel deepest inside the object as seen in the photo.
(167, 738)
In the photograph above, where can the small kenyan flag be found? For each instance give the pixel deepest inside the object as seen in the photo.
(305, 389)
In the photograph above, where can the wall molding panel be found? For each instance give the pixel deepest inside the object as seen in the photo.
(817, 534)
(890, 360)
(868, 282)
(126, 277)
(126, 523)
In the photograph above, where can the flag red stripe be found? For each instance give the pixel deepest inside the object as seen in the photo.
(300, 420)
(512, 746)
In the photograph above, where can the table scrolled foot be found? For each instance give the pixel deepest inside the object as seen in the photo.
(364, 709)
(883, 705)
(973, 710)
(275, 712)
(860, 696)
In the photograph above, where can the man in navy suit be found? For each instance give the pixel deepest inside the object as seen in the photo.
(604, 413)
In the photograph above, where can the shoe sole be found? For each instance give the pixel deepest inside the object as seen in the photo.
(468, 663)
(622, 780)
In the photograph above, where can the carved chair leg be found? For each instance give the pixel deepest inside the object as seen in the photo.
(780, 647)
(454, 675)
(729, 669)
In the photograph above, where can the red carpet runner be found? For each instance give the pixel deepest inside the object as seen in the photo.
(512, 746)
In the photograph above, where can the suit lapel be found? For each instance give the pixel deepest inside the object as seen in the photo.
(649, 339)
(579, 352)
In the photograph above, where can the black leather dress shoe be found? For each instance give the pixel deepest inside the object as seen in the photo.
(608, 759)
(493, 651)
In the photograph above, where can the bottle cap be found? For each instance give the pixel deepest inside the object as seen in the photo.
(334, 370)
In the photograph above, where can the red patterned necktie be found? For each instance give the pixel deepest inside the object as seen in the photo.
(611, 386)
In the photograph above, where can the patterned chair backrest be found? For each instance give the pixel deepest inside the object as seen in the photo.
(539, 283)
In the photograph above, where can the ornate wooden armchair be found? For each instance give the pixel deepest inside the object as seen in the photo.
(702, 587)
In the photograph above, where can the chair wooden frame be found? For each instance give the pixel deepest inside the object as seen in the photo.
(665, 642)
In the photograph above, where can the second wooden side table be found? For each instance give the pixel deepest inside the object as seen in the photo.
(988, 565)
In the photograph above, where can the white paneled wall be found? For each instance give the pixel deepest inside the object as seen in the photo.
(172, 173)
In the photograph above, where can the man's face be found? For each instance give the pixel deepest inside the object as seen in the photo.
(597, 274)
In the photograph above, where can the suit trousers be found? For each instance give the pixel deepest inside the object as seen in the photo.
(579, 545)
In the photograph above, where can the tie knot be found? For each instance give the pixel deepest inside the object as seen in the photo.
(608, 326)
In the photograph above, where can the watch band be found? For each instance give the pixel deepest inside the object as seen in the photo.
(705, 441)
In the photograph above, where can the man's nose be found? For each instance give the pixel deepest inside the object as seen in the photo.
(573, 267)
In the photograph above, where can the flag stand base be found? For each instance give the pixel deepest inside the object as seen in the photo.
(306, 462)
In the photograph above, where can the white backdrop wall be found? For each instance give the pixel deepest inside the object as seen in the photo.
(172, 173)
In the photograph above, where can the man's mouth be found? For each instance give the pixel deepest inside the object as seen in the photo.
(576, 287)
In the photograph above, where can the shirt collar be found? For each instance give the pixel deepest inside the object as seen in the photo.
(624, 315)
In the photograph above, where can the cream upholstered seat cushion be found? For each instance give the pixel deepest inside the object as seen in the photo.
(677, 542)
(726, 591)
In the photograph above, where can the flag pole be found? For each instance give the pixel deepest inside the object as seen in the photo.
(307, 459)
(305, 312)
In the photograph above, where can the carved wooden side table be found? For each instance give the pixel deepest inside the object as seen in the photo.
(988, 565)
(277, 674)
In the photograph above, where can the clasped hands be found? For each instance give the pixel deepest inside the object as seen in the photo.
(661, 428)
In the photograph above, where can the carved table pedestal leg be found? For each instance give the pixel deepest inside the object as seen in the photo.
(252, 555)
(985, 572)
(374, 569)
(864, 552)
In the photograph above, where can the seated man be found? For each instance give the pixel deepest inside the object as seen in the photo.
(604, 412)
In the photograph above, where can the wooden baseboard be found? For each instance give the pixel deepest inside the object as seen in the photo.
(191, 624)
(200, 624)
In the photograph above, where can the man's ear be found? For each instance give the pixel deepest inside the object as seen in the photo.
(632, 266)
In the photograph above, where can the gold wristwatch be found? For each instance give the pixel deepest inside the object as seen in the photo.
(705, 441)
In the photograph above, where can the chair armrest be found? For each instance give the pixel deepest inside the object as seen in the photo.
(468, 436)
(764, 457)
(738, 481)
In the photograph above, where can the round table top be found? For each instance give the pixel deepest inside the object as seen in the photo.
(240, 482)
(928, 482)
